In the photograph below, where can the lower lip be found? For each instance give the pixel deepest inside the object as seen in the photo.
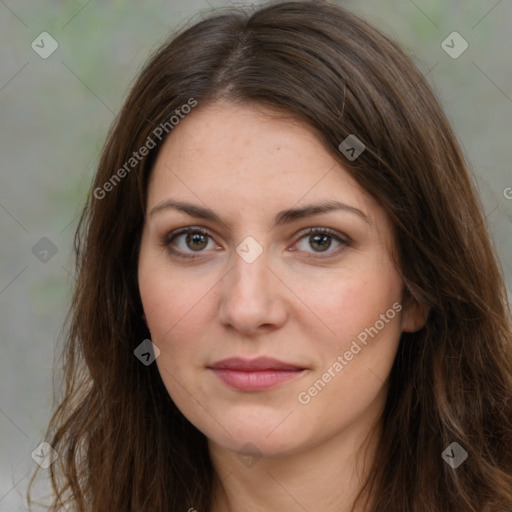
(256, 380)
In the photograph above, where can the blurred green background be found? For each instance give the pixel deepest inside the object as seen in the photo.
(55, 113)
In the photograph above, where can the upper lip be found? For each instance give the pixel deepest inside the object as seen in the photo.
(260, 363)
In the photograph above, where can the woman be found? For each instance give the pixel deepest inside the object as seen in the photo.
(287, 297)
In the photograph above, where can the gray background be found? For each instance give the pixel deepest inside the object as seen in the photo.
(55, 113)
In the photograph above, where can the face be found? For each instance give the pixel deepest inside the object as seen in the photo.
(249, 270)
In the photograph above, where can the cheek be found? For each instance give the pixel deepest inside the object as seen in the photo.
(169, 299)
(166, 305)
(177, 307)
(346, 304)
(355, 361)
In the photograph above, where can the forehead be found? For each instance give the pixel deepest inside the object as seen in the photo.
(235, 137)
(243, 158)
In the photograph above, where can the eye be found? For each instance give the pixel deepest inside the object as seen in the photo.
(188, 241)
(321, 240)
(192, 241)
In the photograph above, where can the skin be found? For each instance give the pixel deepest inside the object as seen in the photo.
(295, 302)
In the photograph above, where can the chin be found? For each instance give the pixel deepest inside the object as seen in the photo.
(269, 436)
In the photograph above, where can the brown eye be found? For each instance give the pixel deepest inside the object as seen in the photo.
(196, 241)
(320, 240)
(188, 241)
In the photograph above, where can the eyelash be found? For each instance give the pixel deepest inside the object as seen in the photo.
(168, 240)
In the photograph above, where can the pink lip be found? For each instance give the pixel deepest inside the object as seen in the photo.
(256, 374)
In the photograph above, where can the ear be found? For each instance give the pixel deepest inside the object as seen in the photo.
(414, 316)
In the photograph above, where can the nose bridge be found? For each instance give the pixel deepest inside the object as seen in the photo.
(250, 272)
(249, 294)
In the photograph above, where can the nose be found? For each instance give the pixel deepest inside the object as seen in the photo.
(252, 297)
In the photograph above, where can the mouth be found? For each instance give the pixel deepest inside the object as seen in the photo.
(256, 374)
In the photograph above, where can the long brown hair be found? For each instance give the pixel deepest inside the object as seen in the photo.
(123, 444)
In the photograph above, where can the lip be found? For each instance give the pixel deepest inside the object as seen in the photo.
(248, 365)
(255, 374)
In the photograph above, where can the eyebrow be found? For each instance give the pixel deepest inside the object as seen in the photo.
(283, 217)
